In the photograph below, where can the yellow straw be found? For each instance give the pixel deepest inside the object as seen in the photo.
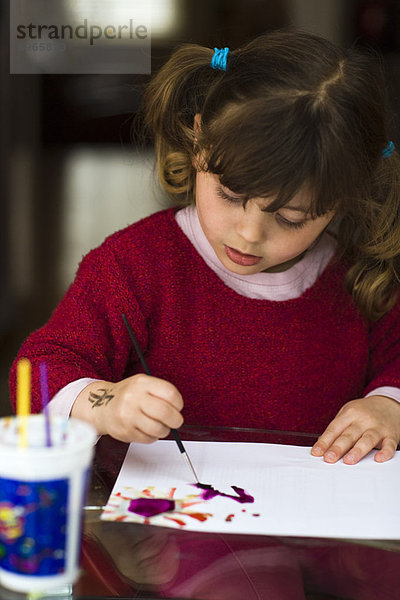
(23, 399)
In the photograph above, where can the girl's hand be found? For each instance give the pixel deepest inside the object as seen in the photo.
(360, 426)
(140, 408)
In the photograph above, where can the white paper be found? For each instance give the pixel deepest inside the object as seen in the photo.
(295, 494)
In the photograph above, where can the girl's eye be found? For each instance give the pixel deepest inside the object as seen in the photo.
(225, 196)
(291, 224)
(237, 200)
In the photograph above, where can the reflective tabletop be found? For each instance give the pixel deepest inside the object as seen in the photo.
(128, 560)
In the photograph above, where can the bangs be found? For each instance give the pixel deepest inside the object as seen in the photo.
(276, 151)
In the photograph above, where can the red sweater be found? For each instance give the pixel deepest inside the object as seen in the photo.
(237, 361)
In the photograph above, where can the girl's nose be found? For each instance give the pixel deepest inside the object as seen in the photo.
(251, 224)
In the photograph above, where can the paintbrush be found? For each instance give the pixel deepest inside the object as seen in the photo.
(44, 387)
(147, 370)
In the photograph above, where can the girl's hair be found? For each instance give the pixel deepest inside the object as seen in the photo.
(292, 111)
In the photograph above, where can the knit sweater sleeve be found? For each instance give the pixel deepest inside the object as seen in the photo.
(86, 335)
(384, 353)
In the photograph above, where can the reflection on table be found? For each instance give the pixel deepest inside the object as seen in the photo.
(126, 560)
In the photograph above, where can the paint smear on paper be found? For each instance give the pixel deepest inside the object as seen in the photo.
(150, 504)
(210, 492)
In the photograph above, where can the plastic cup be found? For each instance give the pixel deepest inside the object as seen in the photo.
(42, 494)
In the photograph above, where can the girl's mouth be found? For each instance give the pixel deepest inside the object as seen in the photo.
(239, 258)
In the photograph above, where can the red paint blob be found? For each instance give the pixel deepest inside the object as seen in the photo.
(199, 516)
(178, 521)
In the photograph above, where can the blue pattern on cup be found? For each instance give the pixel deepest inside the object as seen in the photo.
(33, 523)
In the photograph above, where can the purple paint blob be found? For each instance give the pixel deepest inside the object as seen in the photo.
(149, 507)
(210, 492)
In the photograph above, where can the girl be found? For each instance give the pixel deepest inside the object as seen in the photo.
(270, 299)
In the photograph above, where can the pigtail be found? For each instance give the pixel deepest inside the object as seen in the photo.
(374, 277)
(171, 100)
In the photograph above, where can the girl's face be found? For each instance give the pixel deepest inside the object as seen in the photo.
(248, 239)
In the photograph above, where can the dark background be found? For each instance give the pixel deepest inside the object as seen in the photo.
(70, 172)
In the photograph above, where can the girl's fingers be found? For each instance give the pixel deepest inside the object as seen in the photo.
(158, 388)
(135, 435)
(331, 433)
(160, 411)
(388, 448)
(367, 442)
(342, 444)
(353, 445)
(150, 427)
(360, 426)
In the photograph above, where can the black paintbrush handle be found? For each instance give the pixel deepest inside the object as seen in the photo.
(136, 345)
(178, 440)
(147, 370)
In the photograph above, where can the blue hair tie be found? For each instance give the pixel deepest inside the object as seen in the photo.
(218, 60)
(388, 151)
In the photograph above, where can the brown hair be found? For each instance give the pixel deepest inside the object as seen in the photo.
(292, 110)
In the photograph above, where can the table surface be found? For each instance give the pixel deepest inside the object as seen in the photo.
(128, 560)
